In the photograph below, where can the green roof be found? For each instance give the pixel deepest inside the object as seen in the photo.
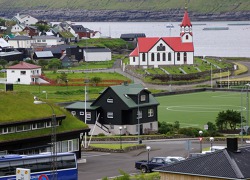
(132, 89)
(81, 105)
(66, 34)
(19, 107)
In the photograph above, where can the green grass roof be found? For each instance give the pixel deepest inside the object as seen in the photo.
(19, 106)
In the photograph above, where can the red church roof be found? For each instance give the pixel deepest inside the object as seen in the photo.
(186, 21)
(24, 65)
(175, 43)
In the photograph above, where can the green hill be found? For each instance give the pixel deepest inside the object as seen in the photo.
(200, 6)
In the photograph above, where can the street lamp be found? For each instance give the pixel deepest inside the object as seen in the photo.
(211, 139)
(148, 148)
(120, 128)
(200, 133)
(45, 92)
(138, 117)
(53, 138)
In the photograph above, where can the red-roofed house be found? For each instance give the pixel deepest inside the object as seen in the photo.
(156, 51)
(24, 73)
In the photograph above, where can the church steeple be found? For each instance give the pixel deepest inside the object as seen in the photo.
(186, 28)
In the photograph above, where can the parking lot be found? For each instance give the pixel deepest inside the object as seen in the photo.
(100, 165)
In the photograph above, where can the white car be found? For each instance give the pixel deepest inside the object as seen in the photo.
(175, 158)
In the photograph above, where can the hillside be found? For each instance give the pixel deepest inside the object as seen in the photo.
(127, 10)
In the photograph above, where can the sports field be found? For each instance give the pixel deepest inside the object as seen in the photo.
(196, 109)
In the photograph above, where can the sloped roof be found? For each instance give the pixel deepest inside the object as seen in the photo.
(4, 43)
(186, 21)
(222, 164)
(24, 65)
(147, 43)
(81, 105)
(132, 35)
(80, 28)
(44, 54)
(20, 38)
(123, 91)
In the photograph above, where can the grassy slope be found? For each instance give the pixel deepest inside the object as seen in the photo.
(195, 5)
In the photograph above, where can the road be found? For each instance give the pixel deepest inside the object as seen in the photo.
(101, 164)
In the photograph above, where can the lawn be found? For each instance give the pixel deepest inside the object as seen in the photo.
(196, 109)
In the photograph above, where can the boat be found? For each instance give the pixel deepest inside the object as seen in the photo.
(169, 26)
(216, 28)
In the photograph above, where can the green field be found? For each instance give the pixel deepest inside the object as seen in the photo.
(196, 109)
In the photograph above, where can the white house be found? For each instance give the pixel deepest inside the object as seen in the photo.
(48, 40)
(97, 54)
(156, 51)
(24, 73)
(17, 28)
(21, 41)
(4, 44)
(24, 19)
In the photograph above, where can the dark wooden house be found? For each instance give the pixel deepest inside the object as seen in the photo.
(130, 107)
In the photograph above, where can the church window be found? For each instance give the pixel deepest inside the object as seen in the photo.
(143, 57)
(161, 48)
(169, 56)
(163, 56)
(152, 57)
(178, 56)
(158, 57)
(186, 37)
(185, 57)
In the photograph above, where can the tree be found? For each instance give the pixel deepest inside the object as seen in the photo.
(43, 63)
(3, 62)
(95, 80)
(229, 118)
(54, 64)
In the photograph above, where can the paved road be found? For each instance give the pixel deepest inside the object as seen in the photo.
(101, 165)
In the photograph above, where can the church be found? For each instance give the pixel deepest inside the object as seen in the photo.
(161, 51)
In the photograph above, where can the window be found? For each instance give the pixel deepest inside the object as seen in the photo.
(150, 112)
(161, 48)
(143, 97)
(186, 37)
(110, 100)
(152, 57)
(133, 59)
(43, 40)
(12, 71)
(88, 116)
(70, 145)
(48, 124)
(185, 57)
(158, 57)
(143, 57)
(23, 128)
(81, 113)
(80, 50)
(163, 56)
(178, 56)
(22, 72)
(169, 56)
(110, 115)
(151, 125)
(6, 130)
(73, 113)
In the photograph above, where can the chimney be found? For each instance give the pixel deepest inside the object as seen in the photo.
(232, 144)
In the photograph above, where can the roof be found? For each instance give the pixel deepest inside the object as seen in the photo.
(4, 43)
(81, 105)
(186, 21)
(24, 65)
(97, 50)
(222, 164)
(44, 54)
(123, 91)
(132, 35)
(20, 38)
(46, 37)
(80, 28)
(147, 43)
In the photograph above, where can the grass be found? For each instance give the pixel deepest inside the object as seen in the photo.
(113, 146)
(196, 109)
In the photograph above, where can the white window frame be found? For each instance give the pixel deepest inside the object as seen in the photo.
(140, 114)
(81, 113)
(150, 112)
(48, 124)
(88, 116)
(143, 98)
(110, 100)
(110, 115)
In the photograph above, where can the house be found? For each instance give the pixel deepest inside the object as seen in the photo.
(92, 54)
(4, 44)
(24, 19)
(24, 73)
(11, 54)
(66, 61)
(229, 163)
(26, 128)
(21, 41)
(118, 106)
(17, 28)
(161, 51)
(81, 32)
(31, 31)
(132, 37)
(47, 40)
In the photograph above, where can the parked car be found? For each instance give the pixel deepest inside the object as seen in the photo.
(155, 162)
(175, 158)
